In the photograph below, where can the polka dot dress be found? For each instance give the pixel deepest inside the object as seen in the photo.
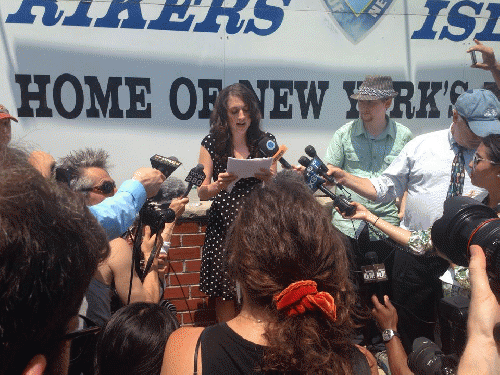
(214, 280)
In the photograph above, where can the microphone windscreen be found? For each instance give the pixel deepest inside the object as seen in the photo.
(304, 161)
(267, 146)
(171, 188)
(310, 151)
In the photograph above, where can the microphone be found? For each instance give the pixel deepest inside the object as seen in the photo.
(269, 148)
(322, 168)
(315, 182)
(374, 273)
(196, 177)
(165, 165)
(171, 188)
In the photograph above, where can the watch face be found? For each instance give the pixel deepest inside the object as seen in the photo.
(387, 334)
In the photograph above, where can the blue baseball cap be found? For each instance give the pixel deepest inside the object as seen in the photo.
(481, 109)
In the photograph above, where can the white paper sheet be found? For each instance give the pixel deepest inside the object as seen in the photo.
(244, 168)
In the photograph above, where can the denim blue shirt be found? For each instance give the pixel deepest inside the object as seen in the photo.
(117, 213)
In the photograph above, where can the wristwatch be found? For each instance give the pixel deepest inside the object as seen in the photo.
(388, 334)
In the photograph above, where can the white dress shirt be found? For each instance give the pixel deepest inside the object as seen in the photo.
(424, 168)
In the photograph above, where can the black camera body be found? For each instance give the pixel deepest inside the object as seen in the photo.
(156, 215)
(453, 314)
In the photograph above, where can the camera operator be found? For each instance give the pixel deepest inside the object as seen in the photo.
(117, 213)
(481, 355)
(387, 319)
(88, 175)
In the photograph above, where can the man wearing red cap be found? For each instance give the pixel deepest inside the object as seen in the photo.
(5, 118)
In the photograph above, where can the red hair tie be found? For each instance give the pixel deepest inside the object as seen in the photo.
(303, 296)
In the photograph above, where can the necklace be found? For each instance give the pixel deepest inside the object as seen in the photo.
(248, 317)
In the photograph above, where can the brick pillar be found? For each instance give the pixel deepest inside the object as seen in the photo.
(183, 278)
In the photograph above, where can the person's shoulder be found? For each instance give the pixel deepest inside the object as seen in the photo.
(431, 137)
(347, 126)
(119, 244)
(208, 141)
(179, 351)
(120, 248)
(268, 136)
(345, 129)
(403, 129)
(185, 335)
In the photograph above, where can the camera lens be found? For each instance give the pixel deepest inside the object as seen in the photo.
(466, 222)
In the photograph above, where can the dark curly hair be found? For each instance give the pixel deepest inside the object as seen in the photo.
(283, 235)
(219, 121)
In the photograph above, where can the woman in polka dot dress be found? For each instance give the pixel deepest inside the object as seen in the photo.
(234, 132)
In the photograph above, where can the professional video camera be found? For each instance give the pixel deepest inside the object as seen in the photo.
(467, 222)
(427, 359)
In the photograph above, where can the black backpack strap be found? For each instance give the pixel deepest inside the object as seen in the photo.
(198, 343)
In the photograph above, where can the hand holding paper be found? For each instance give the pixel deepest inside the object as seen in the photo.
(244, 168)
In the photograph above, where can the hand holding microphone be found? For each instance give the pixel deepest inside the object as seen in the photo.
(315, 182)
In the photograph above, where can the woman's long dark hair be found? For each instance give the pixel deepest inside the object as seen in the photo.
(283, 235)
(134, 340)
(219, 121)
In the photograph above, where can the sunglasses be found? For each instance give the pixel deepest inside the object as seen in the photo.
(107, 187)
(476, 159)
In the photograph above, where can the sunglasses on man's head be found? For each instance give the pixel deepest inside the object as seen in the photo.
(107, 187)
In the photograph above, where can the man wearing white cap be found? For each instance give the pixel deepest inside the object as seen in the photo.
(5, 118)
(431, 167)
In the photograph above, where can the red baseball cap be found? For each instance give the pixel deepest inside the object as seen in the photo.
(4, 113)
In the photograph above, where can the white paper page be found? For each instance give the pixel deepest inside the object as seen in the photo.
(244, 168)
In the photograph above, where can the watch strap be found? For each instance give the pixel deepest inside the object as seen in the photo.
(391, 333)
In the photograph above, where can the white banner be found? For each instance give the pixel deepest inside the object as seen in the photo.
(140, 77)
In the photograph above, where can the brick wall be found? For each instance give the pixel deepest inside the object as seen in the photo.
(183, 278)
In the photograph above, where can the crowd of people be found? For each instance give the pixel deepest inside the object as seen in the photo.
(71, 242)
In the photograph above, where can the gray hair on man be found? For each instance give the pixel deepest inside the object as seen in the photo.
(76, 163)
